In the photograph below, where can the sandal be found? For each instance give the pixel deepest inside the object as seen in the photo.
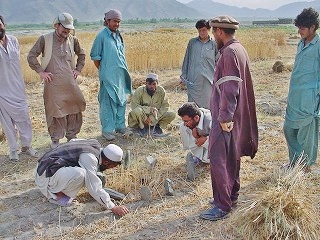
(64, 201)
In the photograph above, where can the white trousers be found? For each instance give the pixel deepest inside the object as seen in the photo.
(68, 180)
(12, 128)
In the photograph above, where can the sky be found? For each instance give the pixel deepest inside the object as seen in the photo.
(268, 4)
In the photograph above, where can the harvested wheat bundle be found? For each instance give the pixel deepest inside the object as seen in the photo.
(283, 209)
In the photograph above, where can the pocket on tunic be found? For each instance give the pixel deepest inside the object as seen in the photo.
(209, 54)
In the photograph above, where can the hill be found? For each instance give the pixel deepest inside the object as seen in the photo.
(38, 11)
(213, 8)
(41, 11)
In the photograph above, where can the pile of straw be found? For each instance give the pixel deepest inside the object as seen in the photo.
(283, 209)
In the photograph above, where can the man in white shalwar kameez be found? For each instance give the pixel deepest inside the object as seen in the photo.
(64, 170)
(14, 112)
(194, 132)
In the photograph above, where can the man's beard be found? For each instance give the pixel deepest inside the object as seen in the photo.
(150, 92)
(102, 168)
(219, 44)
(2, 33)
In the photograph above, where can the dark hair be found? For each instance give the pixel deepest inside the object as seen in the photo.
(151, 80)
(202, 23)
(190, 109)
(307, 18)
(1, 19)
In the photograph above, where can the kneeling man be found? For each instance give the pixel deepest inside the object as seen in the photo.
(62, 172)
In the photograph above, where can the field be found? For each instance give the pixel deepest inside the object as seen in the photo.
(26, 214)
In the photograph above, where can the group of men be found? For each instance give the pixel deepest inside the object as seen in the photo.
(218, 125)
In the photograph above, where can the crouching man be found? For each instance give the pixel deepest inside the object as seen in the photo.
(150, 107)
(62, 172)
(194, 132)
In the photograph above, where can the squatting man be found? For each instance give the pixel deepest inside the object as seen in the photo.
(150, 107)
(194, 132)
(63, 171)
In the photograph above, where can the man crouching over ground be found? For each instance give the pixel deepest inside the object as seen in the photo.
(63, 171)
(194, 132)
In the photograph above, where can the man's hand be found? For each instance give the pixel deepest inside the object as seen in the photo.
(76, 73)
(120, 210)
(46, 76)
(147, 121)
(195, 133)
(201, 140)
(227, 127)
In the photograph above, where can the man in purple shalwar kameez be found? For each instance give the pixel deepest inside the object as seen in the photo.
(234, 131)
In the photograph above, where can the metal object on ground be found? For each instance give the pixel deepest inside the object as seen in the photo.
(168, 187)
(127, 159)
(114, 194)
(191, 167)
(145, 193)
(151, 162)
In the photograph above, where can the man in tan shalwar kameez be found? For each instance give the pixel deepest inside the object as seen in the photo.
(63, 99)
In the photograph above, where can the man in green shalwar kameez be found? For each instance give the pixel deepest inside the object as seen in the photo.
(301, 126)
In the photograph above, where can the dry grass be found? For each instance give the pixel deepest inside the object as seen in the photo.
(162, 48)
(25, 213)
(282, 208)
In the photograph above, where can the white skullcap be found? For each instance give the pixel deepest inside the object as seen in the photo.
(152, 76)
(113, 152)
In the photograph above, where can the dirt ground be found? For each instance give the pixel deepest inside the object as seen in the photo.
(26, 214)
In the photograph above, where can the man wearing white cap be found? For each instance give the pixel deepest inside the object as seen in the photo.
(63, 99)
(108, 55)
(63, 171)
(150, 107)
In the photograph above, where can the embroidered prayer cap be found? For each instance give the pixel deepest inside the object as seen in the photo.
(113, 13)
(113, 152)
(224, 22)
(152, 77)
(65, 19)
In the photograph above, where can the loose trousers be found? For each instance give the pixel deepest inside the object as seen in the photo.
(303, 141)
(225, 170)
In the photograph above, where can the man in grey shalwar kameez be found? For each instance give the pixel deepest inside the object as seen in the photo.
(198, 66)
(14, 111)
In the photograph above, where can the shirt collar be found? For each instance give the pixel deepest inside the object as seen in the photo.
(110, 32)
(198, 38)
(200, 123)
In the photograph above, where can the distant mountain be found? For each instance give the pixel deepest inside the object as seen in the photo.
(213, 9)
(38, 11)
(44, 11)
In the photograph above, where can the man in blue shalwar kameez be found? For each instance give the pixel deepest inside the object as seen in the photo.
(108, 56)
(301, 125)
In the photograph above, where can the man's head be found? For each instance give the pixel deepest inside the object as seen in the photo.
(203, 28)
(112, 19)
(151, 83)
(190, 114)
(307, 22)
(2, 28)
(111, 156)
(63, 24)
(223, 28)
